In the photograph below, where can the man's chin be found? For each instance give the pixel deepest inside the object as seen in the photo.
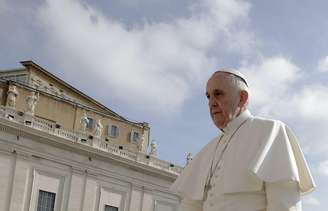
(218, 124)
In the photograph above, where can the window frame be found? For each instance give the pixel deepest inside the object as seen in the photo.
(132, 137)
(109, 131)
(91, 125)
(58, 185)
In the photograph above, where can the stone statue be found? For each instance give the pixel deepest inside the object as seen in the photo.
(99, 128)
(153, 149)
(142, 143)
(84, 121)
(12, 94)
(189, 158)
(31, 102)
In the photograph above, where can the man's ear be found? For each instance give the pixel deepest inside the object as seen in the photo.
(243, 98)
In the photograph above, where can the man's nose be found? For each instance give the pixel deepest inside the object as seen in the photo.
(212, 102)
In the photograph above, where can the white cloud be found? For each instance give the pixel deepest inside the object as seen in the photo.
(151, 66)
(226, 13)
(323, 64)
(323, 168)
(308, 107)
(270, 81)
(276, 89)
(312, 102)
(311, 201)
(277, 92)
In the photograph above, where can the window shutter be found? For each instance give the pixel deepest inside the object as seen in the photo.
(46, 201)
(110, 208)
(109, 129)
(91, 123)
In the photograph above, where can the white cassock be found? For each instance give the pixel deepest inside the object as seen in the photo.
(255, 165)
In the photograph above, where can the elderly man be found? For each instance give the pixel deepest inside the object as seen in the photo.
(255, 164)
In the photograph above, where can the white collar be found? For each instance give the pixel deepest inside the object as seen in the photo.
(236, 122)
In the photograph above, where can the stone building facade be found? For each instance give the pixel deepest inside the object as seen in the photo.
(62, 150)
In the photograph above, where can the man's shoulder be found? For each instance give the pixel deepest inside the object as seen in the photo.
(266, 121)
(210, 145)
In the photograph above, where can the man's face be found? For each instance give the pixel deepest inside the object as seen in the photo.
(223, 99)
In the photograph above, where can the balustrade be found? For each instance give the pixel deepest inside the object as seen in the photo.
(50, 127)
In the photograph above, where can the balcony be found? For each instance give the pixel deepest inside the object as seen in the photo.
(51, 128)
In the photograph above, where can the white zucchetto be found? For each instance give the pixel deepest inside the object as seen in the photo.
(235, 73)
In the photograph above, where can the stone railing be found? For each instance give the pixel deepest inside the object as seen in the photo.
(157, 163)
(39, 124)
(67, 135)
(11, 114)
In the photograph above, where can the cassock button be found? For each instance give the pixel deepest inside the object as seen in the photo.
(211, 194)
(211, 204)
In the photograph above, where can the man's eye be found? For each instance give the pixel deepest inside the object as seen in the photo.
(207, 96)
(217, 93)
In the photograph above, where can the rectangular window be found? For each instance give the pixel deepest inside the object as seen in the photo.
(46, 201)
(113, 131)
(110, 208)
(91, 124)
(135, 136)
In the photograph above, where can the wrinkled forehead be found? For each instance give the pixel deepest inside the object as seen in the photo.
(219, 80)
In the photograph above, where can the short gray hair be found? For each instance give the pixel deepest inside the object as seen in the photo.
(238, 83)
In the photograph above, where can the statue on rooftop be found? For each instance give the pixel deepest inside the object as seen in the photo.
(141, 147)
(153, 149)
(12, 95)
(31, 102)
(84, 121)
(99, 128)
(189, 158)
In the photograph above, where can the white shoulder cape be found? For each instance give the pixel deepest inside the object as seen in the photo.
(261, 151)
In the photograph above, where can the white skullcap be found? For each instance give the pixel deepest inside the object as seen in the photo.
(235, 73)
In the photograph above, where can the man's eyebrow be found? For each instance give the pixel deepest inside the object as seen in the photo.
(218, 90)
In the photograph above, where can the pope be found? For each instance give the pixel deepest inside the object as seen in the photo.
(255, 164)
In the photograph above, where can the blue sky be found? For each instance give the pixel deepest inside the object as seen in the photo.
(149, 60)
